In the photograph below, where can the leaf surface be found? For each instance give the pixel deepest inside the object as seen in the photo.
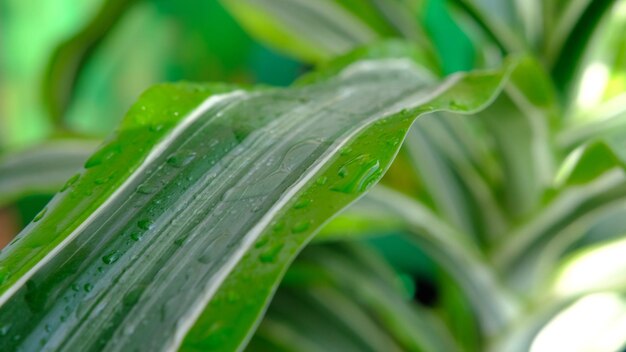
(178, 229)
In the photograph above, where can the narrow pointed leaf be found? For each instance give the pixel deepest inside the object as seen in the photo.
(179, 228)
(41, 169)
(315, 31)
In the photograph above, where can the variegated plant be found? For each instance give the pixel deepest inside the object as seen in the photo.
(177, 231)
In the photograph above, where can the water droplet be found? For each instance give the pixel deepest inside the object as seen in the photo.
(147, 188)
(111, 257)
(364, 173)
(47, 328)
(102, 180)
(393, 142)
(261, 242)
(458, 105)
(302, 203)
(181, 158)
(205, 258)
(104, 154)
(155, 128)
(4, 330)
(88, 287)
(271, 254)
(4, 274)
(145, 224)
(301, 226)
(70, 182)
(278, 226)
(345, 151)
(343, 171)
(136, 236)
(75, 287)
(322, 180)
(40, 215)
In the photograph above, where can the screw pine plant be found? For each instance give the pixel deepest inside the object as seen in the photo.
(314, 217)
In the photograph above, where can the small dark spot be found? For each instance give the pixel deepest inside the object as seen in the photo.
(426, 292)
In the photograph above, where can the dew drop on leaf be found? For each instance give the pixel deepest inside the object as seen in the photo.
(88, 287)
(458, 105)
(345, 151)
(101, 180)
(270, 255)
(146, 188)
(155, 128)
(181, 158)
(343, 172)
(145, 224)
(4, 330)
(261, 242)
(136, 236)
(302, 203)
(111, 257)
(301, 226)
(4, 274)
(40, 215)
(278, 226)
(103, 155)
(363, 173)
(70, 182)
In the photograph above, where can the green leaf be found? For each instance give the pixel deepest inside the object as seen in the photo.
(499, 21)
(70, 56)
(316, 31)
(206, 193)
(573, 37)
(598, 102)
(522, 124)
(591, 185)
(457, 255)
(353, 290)
(42, 169)
(594, 159)
(572, 279)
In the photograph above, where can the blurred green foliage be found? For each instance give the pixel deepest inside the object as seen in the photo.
(150, 42)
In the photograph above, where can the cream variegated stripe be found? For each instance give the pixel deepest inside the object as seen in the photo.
(210, 102)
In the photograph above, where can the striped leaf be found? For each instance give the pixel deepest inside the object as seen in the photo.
(42, 169)
(178, 229)
(315, 31)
